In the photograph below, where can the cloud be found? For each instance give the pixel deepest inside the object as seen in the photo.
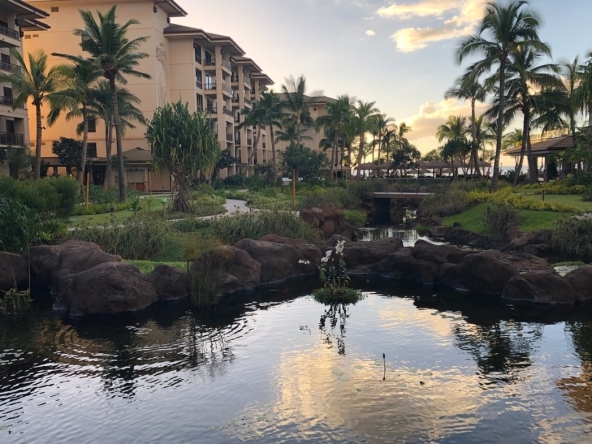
(370, 33)
(457, 18)
(433, 114)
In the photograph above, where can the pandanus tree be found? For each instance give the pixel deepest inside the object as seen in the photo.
(116, 56)
(183, 144)
(502, 30)
(363, 117)
(79, 92)
(470, 89)
(37, 82)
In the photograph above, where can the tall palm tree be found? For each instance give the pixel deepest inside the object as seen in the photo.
(502, 30)
(484, 133)
(297, 103)
(455, 130)
(271, 108)
(585, 88)
(35, 82)
(80, 90)
(338, 115)
(381, 126)
(290, 133)
(254, 117)
(363, 117)
(571, 74)
(116, 55)
(469, 88)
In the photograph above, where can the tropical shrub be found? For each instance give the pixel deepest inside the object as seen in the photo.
(98, 194)
(519, 201)
(189, 225)
(102, 208)
(587, 196)
(498, 217)
(451, 201)
(573, 238)
(356, 217)
(19, 226)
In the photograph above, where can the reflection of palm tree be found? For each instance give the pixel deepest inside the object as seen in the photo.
(501, 348)
(576, 387)
(336, 313)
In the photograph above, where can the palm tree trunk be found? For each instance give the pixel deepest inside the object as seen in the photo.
(360, 156)
(117, 124)
(255, 145)
(532, 163)
(37, 170)
(500, 125)
(522, 151)
(475, 147)
(82, 168)
(334, 154)
(273, 150)
(107, 179)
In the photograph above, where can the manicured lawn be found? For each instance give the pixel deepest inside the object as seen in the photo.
(571, 199)
(472, 219)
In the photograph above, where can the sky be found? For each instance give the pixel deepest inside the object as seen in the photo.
(396, 53)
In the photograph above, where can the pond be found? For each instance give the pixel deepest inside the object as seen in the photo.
(282, 368)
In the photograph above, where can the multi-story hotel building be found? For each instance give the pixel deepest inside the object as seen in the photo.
(208, 71)
(16, 17)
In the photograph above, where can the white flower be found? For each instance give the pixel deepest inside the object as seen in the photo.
(328, 253)
(324, 260)
(301, 261)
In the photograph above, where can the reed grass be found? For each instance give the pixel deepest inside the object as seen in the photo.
(572, 238)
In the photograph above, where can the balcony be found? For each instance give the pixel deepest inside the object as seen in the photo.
(8, 101)
(237, 141)
(247, 83)
(198, 58)
(236, 119)
(264, 145)
(12, 139)
(199, 84)
(226, 64)
(10, 67)
(249, 142)
(228, 137)
(9, 33)
(228, 112)
(248, 101)
(212, 110)
(228, 89)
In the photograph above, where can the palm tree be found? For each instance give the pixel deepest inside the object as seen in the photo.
(79, 92)
(455, 130)
(101, 108)
(512, 140)
(571, 73)
(290, 133)
(338, 115)
(585, 88)
(469, 88)
(502, 30)
(381, 126)
(297, 103)
(116, 56)
(38, 83)
(256, 117)
(484, 133)
(363, 117)
(272, 115)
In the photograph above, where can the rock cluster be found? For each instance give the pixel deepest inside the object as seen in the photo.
(330, 220)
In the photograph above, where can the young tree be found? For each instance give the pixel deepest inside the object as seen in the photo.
(116, 56)
(502, 30)
(35, 82)
(183, 144)
(71, 152)
(226, 160)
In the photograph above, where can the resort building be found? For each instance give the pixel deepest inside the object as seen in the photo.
(16, 17)
(208, 71)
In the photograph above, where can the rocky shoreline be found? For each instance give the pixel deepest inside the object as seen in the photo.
(84, 280)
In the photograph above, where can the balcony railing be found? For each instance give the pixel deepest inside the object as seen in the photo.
(248, 101)
(236, 119)
(212, 110)
(198, 58)
(235, 99)
(5, 66)
(199, 83)
(6, 101)
(237, 141)
(247, 82)
(249, 142)
(12, 139)
(227, 88)
(228, 137)
(9, 32)
(200, 108)
(228, 112)
(234, 79)
(210, 86)
(209, 62)
(226, 64)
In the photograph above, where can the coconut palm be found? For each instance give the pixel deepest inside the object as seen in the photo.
(455, 131)
(382, 124)
(272, 115)
(363, 118)
(338, 115)
(101, 108)
(571, 73)
(502, 30)
(297, 103)
(80, 90)
(469, 88)
(37, 82)
(290, 133)
(116, 55)
(585, 88)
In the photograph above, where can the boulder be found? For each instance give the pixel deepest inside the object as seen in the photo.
(235, 269)
(310, 252)
(359, 254)
(581, 281)
(330, 211)
(402, 265)
(50, 263)
(439, 254)
(544, 288)
(108, 288)
(329, 219)
(14, 271)
(447, 276)
(278, 261)
(524, 262)
(540, 250)
(523, 240)
(310, 218)
(170, 282)
(440, 231)
(328, 228)
(485, 272)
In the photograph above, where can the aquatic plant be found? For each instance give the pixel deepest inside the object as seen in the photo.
(15, 301)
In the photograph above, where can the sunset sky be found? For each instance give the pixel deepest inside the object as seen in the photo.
(399, 54)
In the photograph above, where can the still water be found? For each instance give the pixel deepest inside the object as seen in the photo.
(283, 368)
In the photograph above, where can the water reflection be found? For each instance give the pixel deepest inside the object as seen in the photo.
(408, 235)
(337, 315)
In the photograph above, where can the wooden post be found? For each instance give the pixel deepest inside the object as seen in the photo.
(294, 188)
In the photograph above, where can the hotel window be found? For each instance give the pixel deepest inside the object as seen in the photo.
(92, 125)
(197, 50)
(199, 100)
(91, 149)
(208, 58)
(198, 78)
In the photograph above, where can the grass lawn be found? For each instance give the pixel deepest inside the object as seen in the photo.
(571, 199)
(175, 244)
(473, 220)
(146, 267)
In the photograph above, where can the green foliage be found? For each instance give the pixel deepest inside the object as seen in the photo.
(135, 205)
(587, 196)
(554, 189)
(327, 296)
(189, 225)
(69, 151)
(450, 201)
(147, 267)
(499, 216)
(520, 201)
(356, 217)
(98, 194)
(102, 208)
(130, 239)
(56, 196)
(14, 301)
(573, 238)
(19, 225)
(306, 162)
(256, 225)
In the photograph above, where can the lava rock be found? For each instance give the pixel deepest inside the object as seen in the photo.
(581, 282)
(485, 272)
(171, 283)
(14, 271)
(543, 288)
